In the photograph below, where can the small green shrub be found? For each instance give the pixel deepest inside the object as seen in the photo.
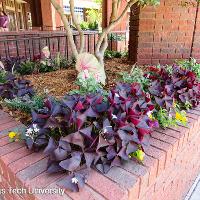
(93, 26)
(25, 104)
(116, 37)
(88, 86)
(136, 75)
(190, 64)
(26, 68)
(45, 66)
(84, 25)
(3, 75)
(60, 62)
(114, 54)
(164, 118)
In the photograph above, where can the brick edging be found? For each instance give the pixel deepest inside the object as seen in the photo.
(170, 166)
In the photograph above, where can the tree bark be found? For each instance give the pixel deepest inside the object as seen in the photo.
(78, 27)
(101, 43)
(67, 27)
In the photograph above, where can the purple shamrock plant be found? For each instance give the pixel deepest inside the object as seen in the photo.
(85, 132)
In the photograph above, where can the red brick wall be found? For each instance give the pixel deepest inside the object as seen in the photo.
(196, 43)
(164, 33)
(168, 171)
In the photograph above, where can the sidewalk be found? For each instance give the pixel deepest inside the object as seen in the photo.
(194, 193)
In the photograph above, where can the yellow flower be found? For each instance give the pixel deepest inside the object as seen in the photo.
(139, 155)
(181, 117)
(150, 116)
(184, 119)
(12, 135)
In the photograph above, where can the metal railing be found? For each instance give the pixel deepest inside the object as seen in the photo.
(29, 45)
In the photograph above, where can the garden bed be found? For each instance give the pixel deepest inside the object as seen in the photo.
(108, 129)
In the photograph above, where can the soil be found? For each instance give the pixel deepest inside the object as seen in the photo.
(60, 82)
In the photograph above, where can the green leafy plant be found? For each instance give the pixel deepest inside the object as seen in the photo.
(88, 86)
(26, 68)
(115, 54)
(136, 75)
(25, 104)
(187, 106)
(116, 37)
(60, 62)
(45, 66)
(190, 64)
(93, 26)
(84, 25)
(94, 18)
(3, 75)
(164, 118)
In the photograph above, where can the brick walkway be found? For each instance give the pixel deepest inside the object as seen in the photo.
(194, 193)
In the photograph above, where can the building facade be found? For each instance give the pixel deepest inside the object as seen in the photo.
(40, 14)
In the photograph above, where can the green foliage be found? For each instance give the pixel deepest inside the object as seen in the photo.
(26, 68)
(3, 75)
(93, 26)
(116, 37)
(164, 118)
(148, 2)
(136, 75)
(187, 106)
(25, 104)
(94, 16)
(60, 62)
(98, 1)
(168, 68)
(89, 26)
(190, 64)
(115, 54)
(84, 25)
(45, 66)
(88, 86)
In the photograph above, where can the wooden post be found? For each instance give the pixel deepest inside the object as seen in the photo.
(16, 16)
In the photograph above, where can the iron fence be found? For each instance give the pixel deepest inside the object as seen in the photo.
(29, 45)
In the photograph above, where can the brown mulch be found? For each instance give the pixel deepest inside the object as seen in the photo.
(60, 82)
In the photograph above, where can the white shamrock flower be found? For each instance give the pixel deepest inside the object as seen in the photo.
(29, 131)
(36, 129)
(34, 126)
(75, 180)
(32, 132)
(114, 116)
(117, 95)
